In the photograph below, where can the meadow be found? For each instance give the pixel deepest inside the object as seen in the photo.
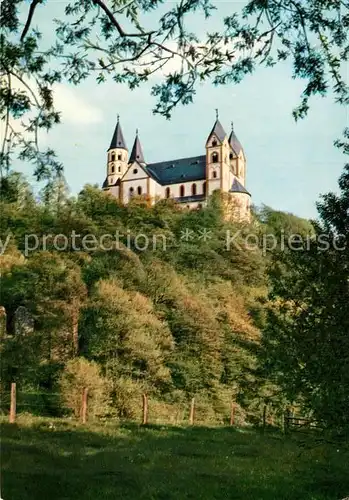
(59, 460)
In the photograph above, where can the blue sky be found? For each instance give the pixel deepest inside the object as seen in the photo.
(289, 164)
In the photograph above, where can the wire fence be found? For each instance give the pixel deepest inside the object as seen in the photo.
(49, 404)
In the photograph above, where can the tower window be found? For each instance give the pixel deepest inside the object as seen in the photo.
(214, 142)
(113, 157)
(135, 171)
(214, 174)
(167, 192)
(139, 190)
(181, 191)
(112, 169)
(119, 169)
(119, 157)
(231, 156)
(215, 157)
(193, 189)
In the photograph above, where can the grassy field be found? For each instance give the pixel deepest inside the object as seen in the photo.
(55, 460)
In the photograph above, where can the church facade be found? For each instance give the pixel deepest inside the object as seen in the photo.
(189, 181)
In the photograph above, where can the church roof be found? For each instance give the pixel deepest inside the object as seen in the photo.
(137, 152)
(118, 140)
(178, 171)
(218, 130)
(237, 187)
(234, 143)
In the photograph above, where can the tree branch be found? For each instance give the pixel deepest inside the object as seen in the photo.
(117, 24)
(32, 8)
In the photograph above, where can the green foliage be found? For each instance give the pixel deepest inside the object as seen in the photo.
(80, 374)
(305, 339)
(130, 41)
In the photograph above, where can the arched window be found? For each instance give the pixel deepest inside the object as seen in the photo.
(204, 187)
(113, 157)
(215, 157)
(139, 190)
(135, 171)
(131, 191)
(119, 157)
(167, 192)
(181, 191)
(214, 174)
(112, 169)
(214, 143)
(119, 169)
(231, 156)
(193, 189)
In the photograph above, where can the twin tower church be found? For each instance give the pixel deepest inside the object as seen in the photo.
(189, 181)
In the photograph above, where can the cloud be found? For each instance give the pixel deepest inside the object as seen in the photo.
(75, 109)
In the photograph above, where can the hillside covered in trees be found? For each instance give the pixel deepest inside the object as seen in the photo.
(152, 299)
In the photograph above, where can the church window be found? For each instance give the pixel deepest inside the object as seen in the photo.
(113, 157)
(215, 157)
(139, 190)
(167, 192)
(214, 174)
(119, 157)
(131, 191)
(112, 169)
(181, 191)
(231, 156)
(193, 189)
(204, 188)
(214, 143)
(119, 169)
(135, 171)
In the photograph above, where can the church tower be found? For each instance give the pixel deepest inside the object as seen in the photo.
(137, 152)
(117, 158)
(237, 157)
(217, 159)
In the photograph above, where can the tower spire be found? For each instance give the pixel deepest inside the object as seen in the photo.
(234, 141)
(217, 115)
(118, 140)
(137, 152)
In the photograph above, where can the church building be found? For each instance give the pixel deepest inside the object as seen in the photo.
(189, 181)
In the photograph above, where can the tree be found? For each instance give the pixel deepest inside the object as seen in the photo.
(93, 40)
(306, 342)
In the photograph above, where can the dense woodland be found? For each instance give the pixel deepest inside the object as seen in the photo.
(195, 318)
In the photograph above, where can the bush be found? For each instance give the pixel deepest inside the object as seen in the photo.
(79, 374)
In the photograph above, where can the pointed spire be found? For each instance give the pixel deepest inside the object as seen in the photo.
(218, 130)
(234, 141)
(137, 153)
(118, 140)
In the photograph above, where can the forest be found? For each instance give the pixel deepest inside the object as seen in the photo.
(169, 307)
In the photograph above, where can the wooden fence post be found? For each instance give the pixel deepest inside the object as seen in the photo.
(264, 416)
(192, 412)
(232, 413)
(13, 404)
(145, 409)
(286, 420)
(84, 406)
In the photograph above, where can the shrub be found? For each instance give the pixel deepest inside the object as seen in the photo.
(79, 374)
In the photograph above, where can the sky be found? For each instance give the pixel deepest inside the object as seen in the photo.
(289, 164)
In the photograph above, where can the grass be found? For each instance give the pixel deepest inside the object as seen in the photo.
(57, 460)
